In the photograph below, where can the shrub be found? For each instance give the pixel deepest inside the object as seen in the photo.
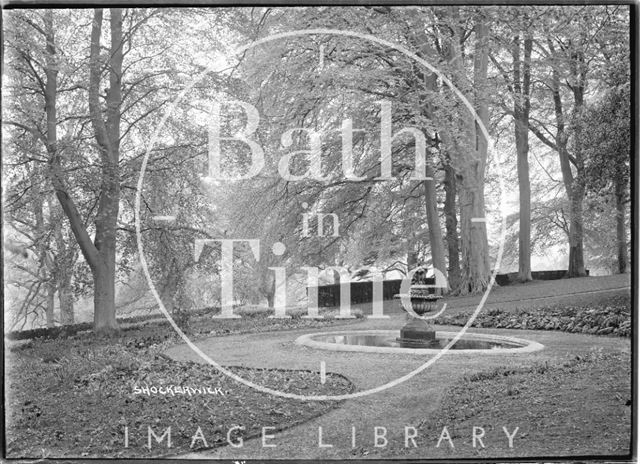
(610, 317)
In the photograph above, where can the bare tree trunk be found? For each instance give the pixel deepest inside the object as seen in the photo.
(412, 255)
(430, 196)
(576, 233)
(51, 293)
(107, 135)
(104, 315)
(621, 235)
(171, 286)
(574, 185)
(475, 258)
(64, 261)
(474, 244)
(521, 109)
(48, 269)
(468, 156)
(576, 250)
(433, 221)
(453, 242)
(524, 237)
(65, 297)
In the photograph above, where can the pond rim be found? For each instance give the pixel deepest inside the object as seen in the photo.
(527, 346)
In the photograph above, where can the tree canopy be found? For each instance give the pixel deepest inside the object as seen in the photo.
(371, 159)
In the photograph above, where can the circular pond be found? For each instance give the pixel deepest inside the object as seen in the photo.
(385, 341)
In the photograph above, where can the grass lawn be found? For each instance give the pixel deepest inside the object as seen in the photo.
(537, 293)
(593, 415)
(563, 398)
(73, 397)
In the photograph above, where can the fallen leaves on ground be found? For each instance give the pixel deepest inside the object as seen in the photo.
(76, 397)
(577, 406)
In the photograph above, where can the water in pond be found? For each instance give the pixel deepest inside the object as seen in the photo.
(390, 341)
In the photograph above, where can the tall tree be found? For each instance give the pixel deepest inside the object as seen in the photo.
(88, 156)
(100, 253)
(429, 45)
(568, 49)
(454, 275)
(468, 146)
(521, 109)
(518, 82)
(31, 207)
(608, 143)
(431, 201)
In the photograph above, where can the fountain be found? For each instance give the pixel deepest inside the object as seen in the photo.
(418, 335)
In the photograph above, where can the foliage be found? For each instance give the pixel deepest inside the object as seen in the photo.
(293, 84)
(606, 318)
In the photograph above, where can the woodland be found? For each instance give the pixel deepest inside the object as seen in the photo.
(86, 91)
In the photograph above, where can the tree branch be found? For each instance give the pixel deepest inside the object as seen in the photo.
(542, 137)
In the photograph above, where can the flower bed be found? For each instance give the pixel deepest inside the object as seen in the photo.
(84, 397)
(610, 318)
